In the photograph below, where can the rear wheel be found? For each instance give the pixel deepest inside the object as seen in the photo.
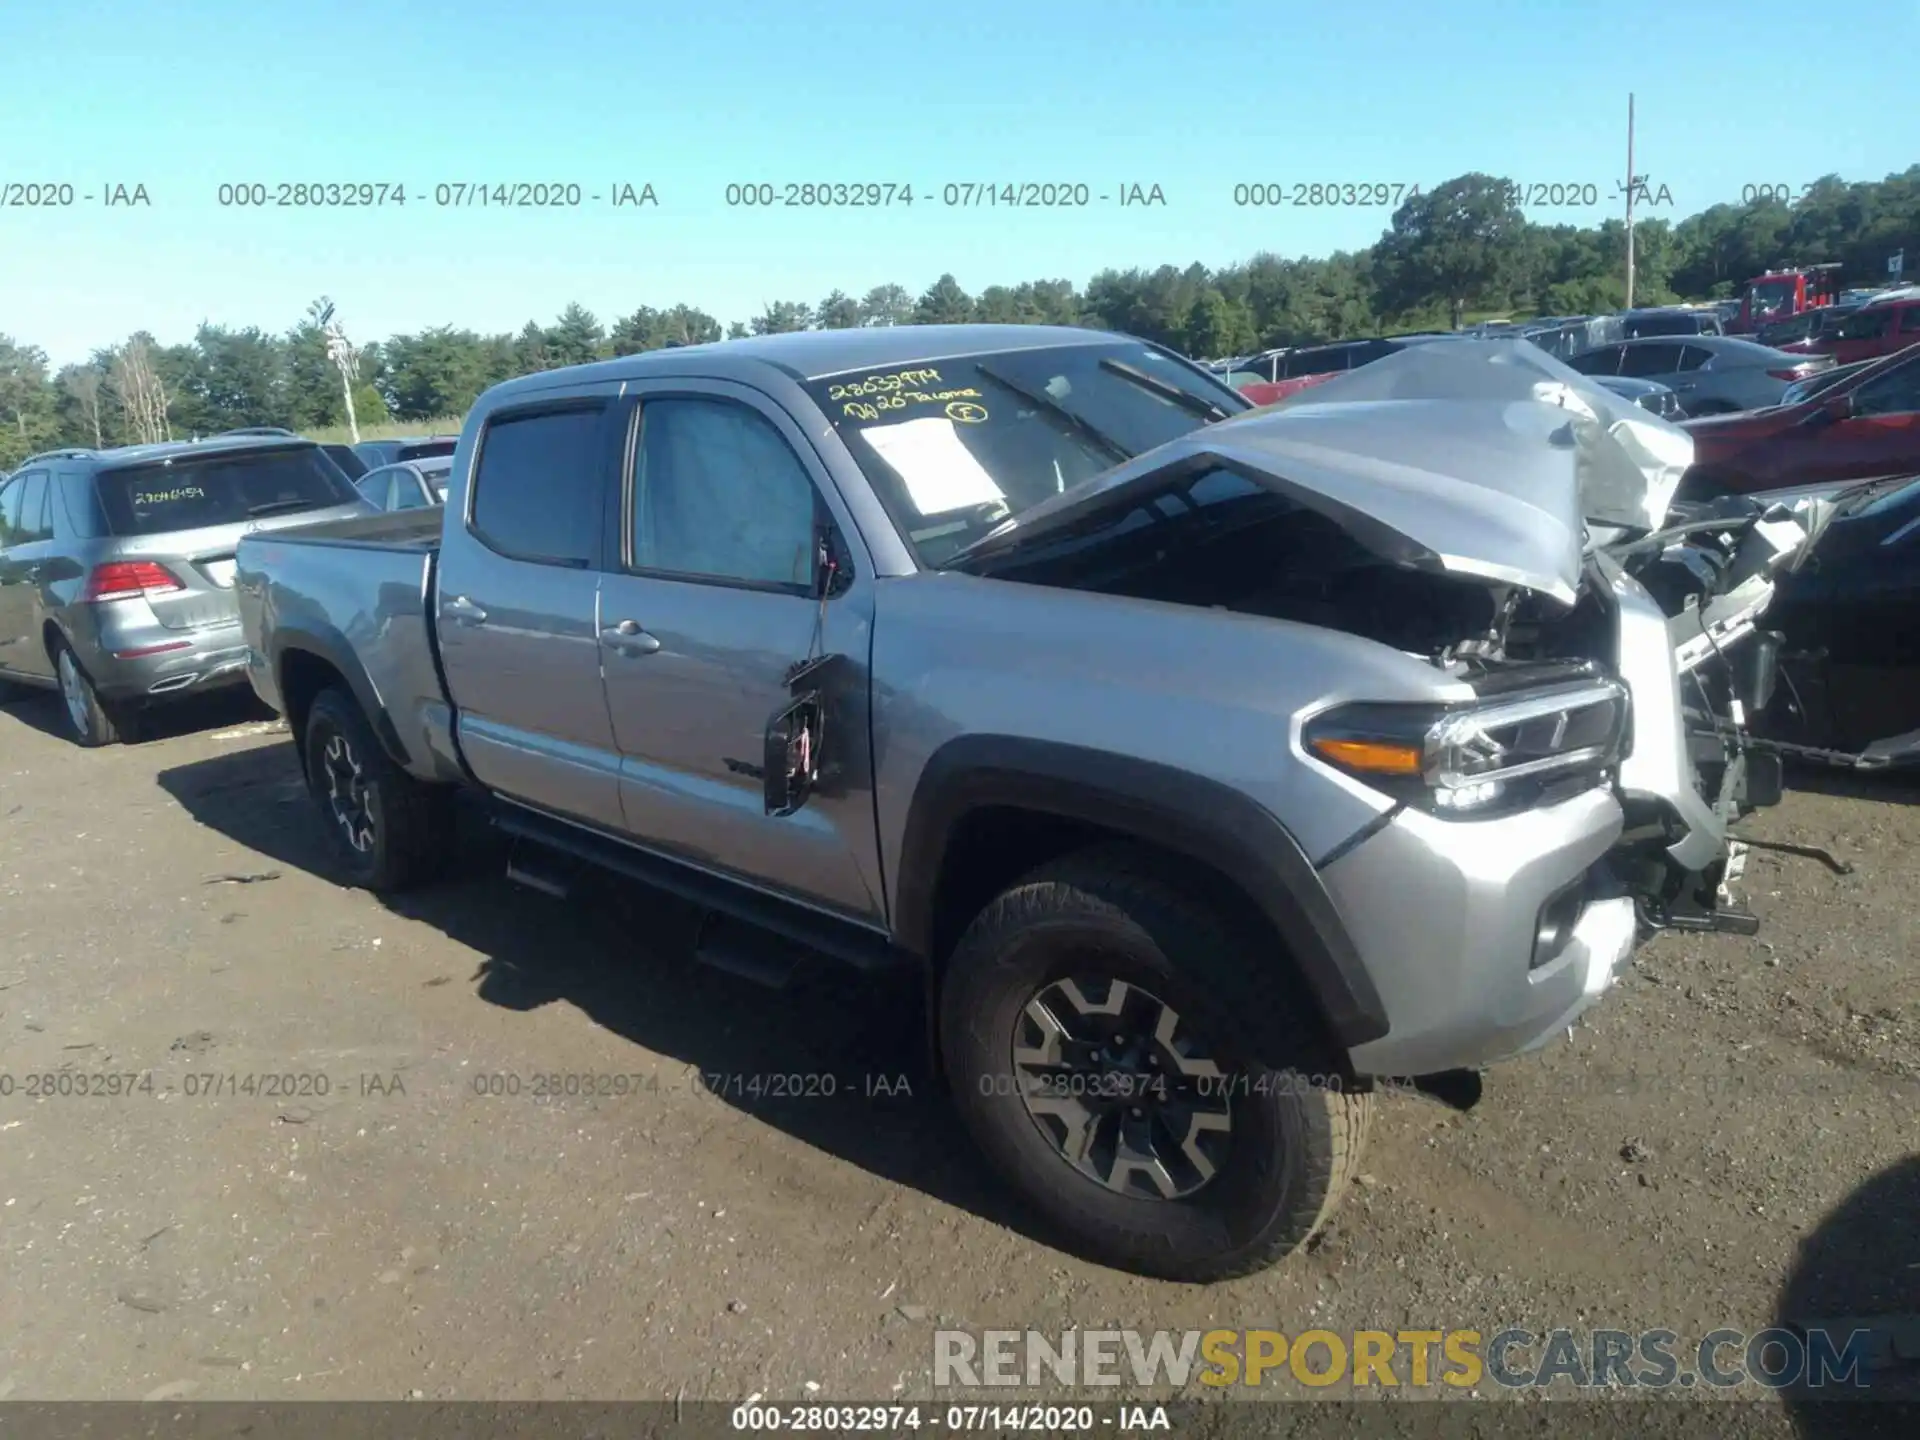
(1139, 1073)
(90, 720)
(389, 831)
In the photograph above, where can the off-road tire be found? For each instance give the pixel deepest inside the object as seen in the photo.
(1294, 1144)
(410, 829)
(98, 723)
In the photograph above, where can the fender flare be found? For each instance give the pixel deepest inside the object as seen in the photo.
(1202, 819)
(328, 644)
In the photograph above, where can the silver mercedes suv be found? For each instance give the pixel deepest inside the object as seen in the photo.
(116, 566)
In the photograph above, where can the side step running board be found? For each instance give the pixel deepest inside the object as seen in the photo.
(744, 934)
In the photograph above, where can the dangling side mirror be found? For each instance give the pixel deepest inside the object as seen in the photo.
(792, 757)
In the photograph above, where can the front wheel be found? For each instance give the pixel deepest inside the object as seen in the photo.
(1095, 1024)
(389, 831)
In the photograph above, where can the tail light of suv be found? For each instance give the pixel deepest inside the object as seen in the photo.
(128, 580)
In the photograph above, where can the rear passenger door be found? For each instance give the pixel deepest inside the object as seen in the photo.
(516, 611)
(708, 605)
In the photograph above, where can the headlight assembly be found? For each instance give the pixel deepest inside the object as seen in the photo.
(1482, 757)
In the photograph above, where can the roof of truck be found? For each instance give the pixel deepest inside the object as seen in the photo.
(811, 354)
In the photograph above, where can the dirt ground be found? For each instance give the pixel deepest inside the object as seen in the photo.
(374, 1224)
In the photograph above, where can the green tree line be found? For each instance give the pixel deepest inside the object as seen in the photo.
(1463, 247)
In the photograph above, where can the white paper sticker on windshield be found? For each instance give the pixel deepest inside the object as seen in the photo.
(939, 471)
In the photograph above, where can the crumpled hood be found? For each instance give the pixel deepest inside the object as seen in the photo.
(1629, 460)
(1472, 457)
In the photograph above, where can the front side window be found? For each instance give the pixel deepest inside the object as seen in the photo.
(1867, 325)
(719, 494)
(1895, 393)
(1774, 298)
(11, 492)
(955, 447)
(540, 485)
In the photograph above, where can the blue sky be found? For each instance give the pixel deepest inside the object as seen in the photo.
(1193, 95)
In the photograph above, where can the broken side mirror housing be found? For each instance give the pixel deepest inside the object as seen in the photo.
(791, 760)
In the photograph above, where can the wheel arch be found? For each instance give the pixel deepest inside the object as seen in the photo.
(988, 808)
(309, 661)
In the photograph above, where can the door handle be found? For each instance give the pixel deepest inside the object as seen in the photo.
(629, 639)
(463, 611)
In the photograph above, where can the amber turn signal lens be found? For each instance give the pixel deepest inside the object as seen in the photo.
(1373, 756)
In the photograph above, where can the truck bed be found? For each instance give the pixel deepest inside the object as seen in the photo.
(381, 530)
(355, 596)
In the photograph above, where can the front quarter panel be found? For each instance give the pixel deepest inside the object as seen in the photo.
(1218, 695)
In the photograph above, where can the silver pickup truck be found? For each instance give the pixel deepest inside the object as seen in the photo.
(1210, 767)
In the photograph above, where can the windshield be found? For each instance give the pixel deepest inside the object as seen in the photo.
(1772, 297)
(955, 447)
(194, 491)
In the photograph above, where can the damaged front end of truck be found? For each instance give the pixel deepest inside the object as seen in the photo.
(1481, 506)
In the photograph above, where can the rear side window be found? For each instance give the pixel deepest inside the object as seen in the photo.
(375, 486)
(1644, 361)
(24, 513)
(1316, 362)
(195, 491)
(35, 521)
(540, 485)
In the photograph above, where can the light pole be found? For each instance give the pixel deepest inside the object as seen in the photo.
(1633, 184)
(345, 358)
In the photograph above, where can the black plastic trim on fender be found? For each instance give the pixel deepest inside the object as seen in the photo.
(1202, 819)
(331, 646)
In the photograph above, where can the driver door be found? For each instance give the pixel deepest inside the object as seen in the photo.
(710, 605)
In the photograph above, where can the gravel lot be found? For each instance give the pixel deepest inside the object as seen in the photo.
(1685, 1161)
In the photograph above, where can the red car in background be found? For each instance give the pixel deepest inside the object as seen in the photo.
(1860, 428)
(1266, 392)
(1882, 328)
(1294, 370)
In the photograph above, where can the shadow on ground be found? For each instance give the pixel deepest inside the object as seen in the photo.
(1859, 1271)
(44, 711)
(623, 955)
